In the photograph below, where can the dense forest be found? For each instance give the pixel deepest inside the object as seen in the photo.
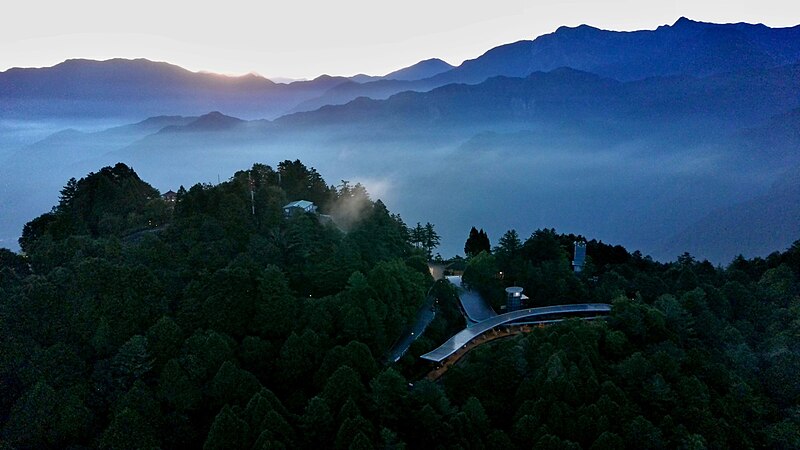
(219, 321)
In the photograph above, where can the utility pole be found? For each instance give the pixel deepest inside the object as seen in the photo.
(252, 196)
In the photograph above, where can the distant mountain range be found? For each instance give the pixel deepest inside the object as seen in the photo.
(133, 88)
(685, 48)
(419, 71)
(752, 227)
(145, 88)
(667, 140)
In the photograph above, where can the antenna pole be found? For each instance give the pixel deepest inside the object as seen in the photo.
(252, 197)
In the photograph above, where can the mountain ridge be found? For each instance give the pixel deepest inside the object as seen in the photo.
(685, 48)
(623, 147)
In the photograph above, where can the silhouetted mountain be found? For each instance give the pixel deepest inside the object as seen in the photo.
(406, 79)
(364, 78)
(418, 71)
(762, 224)
(346, 92)
(632, 161)
(755, 227)
(135, 88)
(654, 130)
(213, 121)
(778, 140)
(70, 146)
(421, 70)
(567, 96)
(34, 174)
(685, 48)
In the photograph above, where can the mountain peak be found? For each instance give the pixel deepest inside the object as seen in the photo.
(421, 70)
(684, 21)
(216, 117)
(213, 121)
(77, 62)
(583, 28)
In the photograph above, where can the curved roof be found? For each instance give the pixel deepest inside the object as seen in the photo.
(463, 337)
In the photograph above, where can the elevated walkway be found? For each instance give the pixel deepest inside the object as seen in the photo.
(537, 315)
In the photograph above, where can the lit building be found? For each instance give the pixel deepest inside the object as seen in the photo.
(170, 196)
(299, 207)
(579, 258)
(515, 298)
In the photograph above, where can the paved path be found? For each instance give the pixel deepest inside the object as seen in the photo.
(475, 307)
(424, 317)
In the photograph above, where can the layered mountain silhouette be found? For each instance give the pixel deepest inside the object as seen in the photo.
(132, 88)
(211, 122)
(419, 71)
(685, 48)
(667, 140)
(100, 88)
(768, 221)
(566, 95)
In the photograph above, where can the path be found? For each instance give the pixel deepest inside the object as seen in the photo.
(424, 317)
(475, 307)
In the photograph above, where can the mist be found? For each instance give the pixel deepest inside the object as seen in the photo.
(639, 163)
(623, 189)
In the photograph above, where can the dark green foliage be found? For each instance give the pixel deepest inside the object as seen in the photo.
(112, 201)
(233, 385)
(129, 430)
(317, 423)
(477, 242)
(302, 183)
(425, 237)
(132, 361)
(228, 431)
(176, 388)
(43, 417)
(223, 328)
(509, 256)
(482, 275)
(164, 340)
(344, 384)
(12, 265)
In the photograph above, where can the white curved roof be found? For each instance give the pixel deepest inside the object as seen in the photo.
(463, 337)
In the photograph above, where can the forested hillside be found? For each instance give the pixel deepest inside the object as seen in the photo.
(218, 322)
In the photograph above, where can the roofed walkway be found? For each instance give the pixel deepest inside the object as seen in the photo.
(542, 314)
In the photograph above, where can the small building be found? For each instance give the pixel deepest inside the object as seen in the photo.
(170, 196)
(299, 207)
(515, 299)
(579, 257)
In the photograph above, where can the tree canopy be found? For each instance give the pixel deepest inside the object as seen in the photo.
(478, 241)
(130, 323)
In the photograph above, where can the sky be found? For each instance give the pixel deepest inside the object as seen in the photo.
(296, 39)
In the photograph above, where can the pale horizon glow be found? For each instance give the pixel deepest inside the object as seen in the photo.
(304, 40)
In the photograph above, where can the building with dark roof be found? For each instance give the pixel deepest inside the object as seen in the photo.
(299, 207)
